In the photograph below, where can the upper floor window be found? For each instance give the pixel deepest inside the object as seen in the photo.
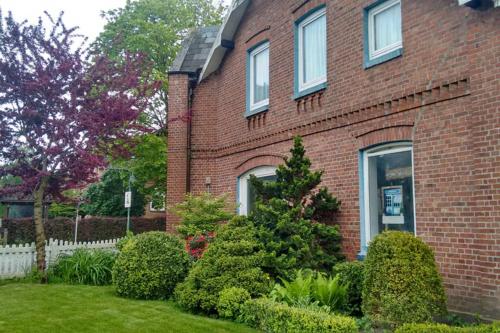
(383, 32)
(258, 79)
(311, 52)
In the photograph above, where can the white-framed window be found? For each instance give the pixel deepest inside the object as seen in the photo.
(246, 193)
(312, 50)
(388, 198)
(384, 28)
(259, 77)
(157, 206)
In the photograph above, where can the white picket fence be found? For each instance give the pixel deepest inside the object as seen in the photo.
(17, 260)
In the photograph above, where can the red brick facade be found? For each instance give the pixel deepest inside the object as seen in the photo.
(442, 94)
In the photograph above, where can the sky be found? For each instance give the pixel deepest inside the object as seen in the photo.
(82, 13)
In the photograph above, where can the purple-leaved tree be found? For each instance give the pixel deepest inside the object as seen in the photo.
(61, 112)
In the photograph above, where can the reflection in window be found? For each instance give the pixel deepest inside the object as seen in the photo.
(388, 190)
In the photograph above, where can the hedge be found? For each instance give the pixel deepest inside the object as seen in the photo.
(22, 231)
(441, 328)
(270, 316)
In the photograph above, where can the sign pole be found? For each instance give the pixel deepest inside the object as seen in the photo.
(128, 201)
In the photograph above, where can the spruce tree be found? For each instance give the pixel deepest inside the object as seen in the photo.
(289, 217)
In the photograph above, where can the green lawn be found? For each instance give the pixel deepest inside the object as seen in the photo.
(62, 308)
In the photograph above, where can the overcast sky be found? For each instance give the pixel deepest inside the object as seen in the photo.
(82, 13)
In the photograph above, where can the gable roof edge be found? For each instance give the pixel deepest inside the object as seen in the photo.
(226, 33)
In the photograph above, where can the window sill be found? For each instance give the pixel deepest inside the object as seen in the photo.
(250, 113)
(309, 91)
(383, 58)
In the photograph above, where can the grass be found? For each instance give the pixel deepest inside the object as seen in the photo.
(53, 308)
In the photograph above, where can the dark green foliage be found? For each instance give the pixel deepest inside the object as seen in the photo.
(106, 197)
(150, 265)
(288, 215)
(92, 267)
(351, 273)
(233, 259)
(312, 289)
(402, 283)
(269, 316)
(22, 231)
(230, 302)
(440, 328)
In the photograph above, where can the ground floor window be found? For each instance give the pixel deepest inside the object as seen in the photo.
(387, 196)
(246, 192)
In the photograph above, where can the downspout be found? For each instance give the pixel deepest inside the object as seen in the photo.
(188, 136)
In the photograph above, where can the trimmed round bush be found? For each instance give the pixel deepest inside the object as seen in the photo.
(150, 265)
(402, 283)
(233, 259)
(352, 274)
(230, 302)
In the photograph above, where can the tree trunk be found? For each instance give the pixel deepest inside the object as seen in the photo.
(39, 229)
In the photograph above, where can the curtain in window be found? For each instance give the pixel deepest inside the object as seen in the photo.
(261, 76)
(388, 27)
(314, 49)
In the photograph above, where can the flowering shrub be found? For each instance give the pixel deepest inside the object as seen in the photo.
(196, 245)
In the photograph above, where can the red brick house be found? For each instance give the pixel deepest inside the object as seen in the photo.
(398, 101)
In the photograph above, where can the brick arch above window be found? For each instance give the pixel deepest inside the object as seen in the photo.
(259, 160)
(383, 135)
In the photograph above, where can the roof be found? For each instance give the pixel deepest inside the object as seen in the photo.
(195, 50)
(226, 33)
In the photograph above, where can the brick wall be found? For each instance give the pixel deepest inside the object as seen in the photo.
(442, 94)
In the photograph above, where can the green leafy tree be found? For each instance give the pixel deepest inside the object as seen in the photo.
(154, 28)
(201, 214)
(288, 217)
(106, 198)
(148, 164)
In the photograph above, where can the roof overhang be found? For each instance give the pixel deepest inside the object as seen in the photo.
(224, 37)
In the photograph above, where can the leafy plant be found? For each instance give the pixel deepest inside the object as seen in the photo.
(312, 289)
(441, 328)
(328, 291)
(150, 265)
(351, 274)
(92, 267)
(201, 214)
(402, 283)
(287, 216)
(230, 302)
(296, 292)
(233, 259)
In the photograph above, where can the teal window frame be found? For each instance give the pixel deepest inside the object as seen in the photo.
(368, 61)
(321, 86)
(249, 111)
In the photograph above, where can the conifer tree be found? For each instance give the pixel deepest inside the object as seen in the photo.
(289, 216)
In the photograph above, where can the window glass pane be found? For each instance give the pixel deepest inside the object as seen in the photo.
(251, 197)
(261, 76)
(390, 187)
(20, 211)
(314, 50)
(387, 27)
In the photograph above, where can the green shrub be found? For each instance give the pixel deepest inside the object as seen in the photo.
(288, 216)
(440, 328)
(121, 243)
(269, 316)
(351, 274)
(84, 266)
(150, 265)
(233, 259)
(230, 302)
(311, 288)
(402, 283)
